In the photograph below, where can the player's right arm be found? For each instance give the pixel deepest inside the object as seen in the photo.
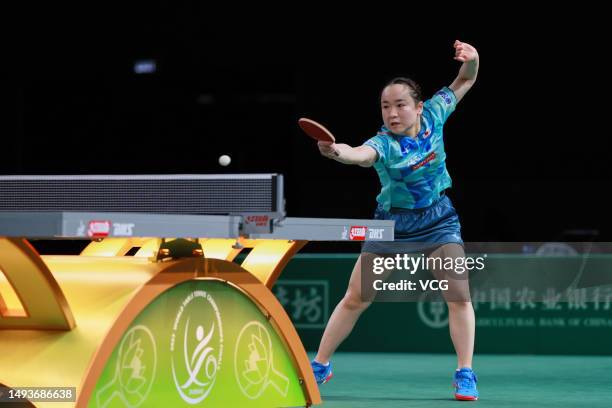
(364, 156)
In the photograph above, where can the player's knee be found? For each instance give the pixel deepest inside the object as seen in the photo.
(353, 301)
(462, 305)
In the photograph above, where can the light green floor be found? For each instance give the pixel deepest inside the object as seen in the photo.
(424, 380)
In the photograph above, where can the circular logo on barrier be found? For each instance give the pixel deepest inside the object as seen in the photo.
(433, 313)
(254, 363)
(134, 370)
(196, 346)
(556, 249)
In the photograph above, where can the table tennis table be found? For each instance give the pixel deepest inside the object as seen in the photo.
(157, 310)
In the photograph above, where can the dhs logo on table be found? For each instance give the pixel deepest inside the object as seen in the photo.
(358, 233)
(376, 233)
(98, 229)
(102, 229)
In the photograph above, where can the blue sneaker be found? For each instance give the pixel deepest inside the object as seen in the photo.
(465, 385)
(322, 373)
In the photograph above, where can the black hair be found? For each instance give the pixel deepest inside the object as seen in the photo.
(415, 89)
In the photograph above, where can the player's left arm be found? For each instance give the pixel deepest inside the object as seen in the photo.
(468, 72)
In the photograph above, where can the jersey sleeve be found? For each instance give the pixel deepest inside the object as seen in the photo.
(380, 144)
(442, 104)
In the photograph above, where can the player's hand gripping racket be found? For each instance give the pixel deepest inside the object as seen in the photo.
(318, 133)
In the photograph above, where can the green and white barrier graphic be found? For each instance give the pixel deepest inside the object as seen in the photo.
(200, 343)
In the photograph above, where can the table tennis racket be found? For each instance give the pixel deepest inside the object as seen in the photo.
(316, 131)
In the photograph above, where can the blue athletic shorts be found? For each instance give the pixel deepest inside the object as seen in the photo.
(420, 229)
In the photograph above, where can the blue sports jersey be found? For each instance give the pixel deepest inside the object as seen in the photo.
(413, 171)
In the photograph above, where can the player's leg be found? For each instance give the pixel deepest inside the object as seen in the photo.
(340, 324)
(344, 317)
(461, 320)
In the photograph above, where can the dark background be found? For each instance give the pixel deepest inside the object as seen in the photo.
(527, 147)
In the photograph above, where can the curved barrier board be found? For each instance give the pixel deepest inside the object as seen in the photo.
(199, 341)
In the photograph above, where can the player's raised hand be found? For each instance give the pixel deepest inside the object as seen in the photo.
(464, 51)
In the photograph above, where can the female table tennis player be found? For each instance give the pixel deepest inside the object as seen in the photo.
(408, 154)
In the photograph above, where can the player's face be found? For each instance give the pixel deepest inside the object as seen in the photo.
(399, 110)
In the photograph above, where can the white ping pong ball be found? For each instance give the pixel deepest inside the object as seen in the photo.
(225, 160)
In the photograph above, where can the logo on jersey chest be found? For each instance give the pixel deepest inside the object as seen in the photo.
(431, 156)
